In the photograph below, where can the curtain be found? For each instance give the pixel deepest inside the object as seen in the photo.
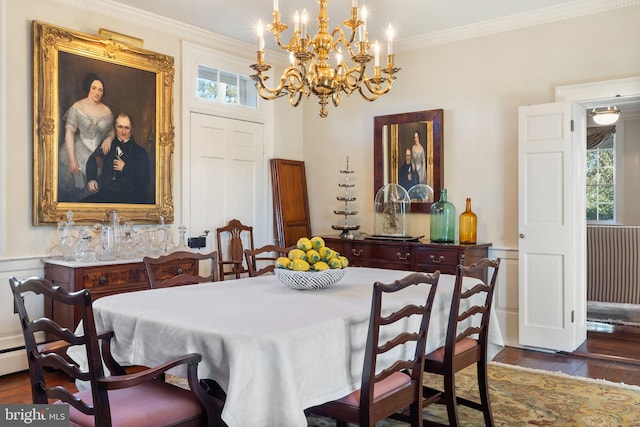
(596, 136)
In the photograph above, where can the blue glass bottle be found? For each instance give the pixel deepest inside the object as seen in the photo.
(443, 220)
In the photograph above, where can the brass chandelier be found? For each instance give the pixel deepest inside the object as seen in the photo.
(310, 70)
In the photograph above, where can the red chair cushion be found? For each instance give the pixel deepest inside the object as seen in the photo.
(151, 404)
(393, 381)
(465, 344)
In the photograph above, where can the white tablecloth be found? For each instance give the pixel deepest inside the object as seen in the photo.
(276, 351)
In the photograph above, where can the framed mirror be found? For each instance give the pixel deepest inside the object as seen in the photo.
(408, 150)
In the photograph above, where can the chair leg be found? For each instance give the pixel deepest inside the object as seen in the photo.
(415, 411)
(450, 399)
(340, 423)
(483, 385)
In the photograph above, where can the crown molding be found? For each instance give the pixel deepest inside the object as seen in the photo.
(182, 31)
(546, 15)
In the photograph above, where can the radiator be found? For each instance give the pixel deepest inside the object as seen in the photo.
(613, 264)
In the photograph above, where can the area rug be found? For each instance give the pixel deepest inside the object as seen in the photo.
(612, 312)
(530, 397)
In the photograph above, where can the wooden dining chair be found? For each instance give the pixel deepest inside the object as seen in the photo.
(231, 257)
(179, 268)
(266, 254)
(466, 342)
(135, 399)
(384, 392)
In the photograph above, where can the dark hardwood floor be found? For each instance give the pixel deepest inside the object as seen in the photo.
(611, 352)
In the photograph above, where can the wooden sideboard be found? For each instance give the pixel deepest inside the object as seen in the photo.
(102, 279)
(412, 256)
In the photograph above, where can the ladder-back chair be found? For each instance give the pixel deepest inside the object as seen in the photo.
(231, 260)
(466, 342)
(135, 399)
(384, 392)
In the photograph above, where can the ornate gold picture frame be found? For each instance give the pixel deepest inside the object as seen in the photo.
(67, 67)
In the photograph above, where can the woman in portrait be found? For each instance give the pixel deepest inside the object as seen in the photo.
(88, 124)
(419, 158)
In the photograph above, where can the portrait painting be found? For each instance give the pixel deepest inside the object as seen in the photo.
(103, 129)
(408, 152)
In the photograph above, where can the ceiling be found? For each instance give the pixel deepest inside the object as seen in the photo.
(238, 19)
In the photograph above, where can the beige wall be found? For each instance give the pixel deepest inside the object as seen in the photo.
(480, 83)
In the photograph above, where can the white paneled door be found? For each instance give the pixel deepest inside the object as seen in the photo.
(551, 221)
(227, 176)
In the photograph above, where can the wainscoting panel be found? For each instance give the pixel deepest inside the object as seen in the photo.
(505, 301)
(12, 355)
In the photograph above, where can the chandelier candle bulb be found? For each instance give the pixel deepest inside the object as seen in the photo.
(260, 32)
(376, 51)
(304, 19)
(390, 40)
(296, 21)
(362, 31)
(275, 6)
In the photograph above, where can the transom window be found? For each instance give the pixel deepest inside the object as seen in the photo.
(601, 189)
(226, 87)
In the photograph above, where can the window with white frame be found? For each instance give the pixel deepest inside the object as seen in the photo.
(601, 182)
(226, 87)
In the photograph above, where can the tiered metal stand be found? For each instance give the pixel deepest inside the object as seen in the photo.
(346, 197)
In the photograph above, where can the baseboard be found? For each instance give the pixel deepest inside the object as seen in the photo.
(13, 361)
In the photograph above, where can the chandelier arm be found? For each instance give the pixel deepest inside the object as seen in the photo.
(369, 98)
(290, 75)
(295, 97)
(293, 44)
(351, 81)
(341, 39)
(335, 98)
(374, 87)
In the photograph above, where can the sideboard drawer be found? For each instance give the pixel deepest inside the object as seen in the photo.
(398, 254)
(438, 256)
(115, 278)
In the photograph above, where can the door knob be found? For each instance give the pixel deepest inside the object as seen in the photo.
(521, 235)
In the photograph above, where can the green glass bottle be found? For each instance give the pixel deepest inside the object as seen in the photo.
(443, 220)
(468, 225)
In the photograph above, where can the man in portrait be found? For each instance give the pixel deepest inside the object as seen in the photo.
(407, 173)
(123, 174)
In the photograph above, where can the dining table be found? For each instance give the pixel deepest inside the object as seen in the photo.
(274, 350)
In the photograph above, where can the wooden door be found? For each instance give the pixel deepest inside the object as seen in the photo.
(552, 226)
(290, 201)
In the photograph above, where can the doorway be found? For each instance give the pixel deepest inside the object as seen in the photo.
(624, 93)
